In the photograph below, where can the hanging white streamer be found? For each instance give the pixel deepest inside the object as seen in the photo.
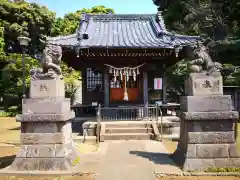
(134, 75)
(125, 71)
(121, 76)
(138, 71)
(114, 75)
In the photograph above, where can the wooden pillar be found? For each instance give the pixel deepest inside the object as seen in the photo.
(164, 81)
(106, 87)
(145, 89)
(84, 85)
(145, 93)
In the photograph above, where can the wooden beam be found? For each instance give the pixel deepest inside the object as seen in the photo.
(106, 87)
(164, 81)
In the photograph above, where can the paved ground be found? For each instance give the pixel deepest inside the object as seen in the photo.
(135, 160)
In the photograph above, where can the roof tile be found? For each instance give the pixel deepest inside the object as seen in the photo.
(128, 31)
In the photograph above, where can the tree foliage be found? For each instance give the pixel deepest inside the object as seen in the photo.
(215, 21)
(23, 18)
(32, 20)
(69, 23)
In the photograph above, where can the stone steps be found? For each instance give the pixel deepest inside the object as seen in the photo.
(85, 139)
(128, 124)
(129, 136)
(131, 128)
(128, 130)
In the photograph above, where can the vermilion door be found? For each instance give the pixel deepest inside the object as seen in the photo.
(117, 90)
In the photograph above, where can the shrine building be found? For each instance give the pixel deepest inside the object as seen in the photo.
(123, 57)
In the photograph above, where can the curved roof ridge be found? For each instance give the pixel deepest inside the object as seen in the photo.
(169, 33)
(121, 16)
(161, 21)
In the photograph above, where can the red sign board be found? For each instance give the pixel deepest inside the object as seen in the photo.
(157, 83)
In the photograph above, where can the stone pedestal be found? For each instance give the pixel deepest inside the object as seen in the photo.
(207, 136)
(200, 84)
(46, 130)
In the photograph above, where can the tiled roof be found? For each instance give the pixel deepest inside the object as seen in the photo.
(128, 31)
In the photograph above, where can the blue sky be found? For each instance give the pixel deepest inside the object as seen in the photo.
(62, 7)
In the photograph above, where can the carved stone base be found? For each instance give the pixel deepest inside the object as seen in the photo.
(201, 164)
(46, 146)
(207, 140)
(58, 157)
(200, 157)
(46, 131)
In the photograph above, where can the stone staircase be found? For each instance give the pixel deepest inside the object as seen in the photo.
(129, 130)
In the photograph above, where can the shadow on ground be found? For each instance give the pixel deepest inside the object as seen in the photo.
(157, 158)
(6, 161)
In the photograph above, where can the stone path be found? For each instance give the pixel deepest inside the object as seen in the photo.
(135, 160)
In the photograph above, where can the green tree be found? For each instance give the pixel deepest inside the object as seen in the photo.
(2, 55)
(215, 21)
(23, 18)
(11, 84)
(70, 22)
(175, 80)
(19, 18)
(32, 20)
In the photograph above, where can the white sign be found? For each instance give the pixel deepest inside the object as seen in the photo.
(157, 83)
(94, 103)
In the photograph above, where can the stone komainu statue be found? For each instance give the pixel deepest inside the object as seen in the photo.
(50, 64)
(199, 61)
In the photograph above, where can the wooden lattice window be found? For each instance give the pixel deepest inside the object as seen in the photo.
(94, 80)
